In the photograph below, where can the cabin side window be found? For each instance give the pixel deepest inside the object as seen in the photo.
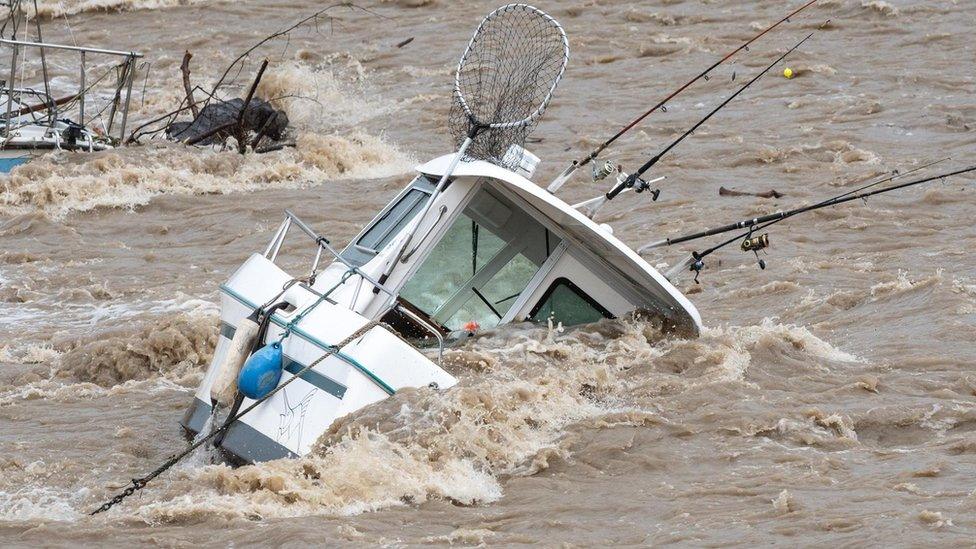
(567, 303)
(390, 221)
(484, 261)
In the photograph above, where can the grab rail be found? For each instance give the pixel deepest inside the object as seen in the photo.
(416, 318)
(323, 243)
(49, 46)
(274, 247)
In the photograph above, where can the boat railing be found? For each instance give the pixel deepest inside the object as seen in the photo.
(322, 243)
(427, 326)
(120, 102)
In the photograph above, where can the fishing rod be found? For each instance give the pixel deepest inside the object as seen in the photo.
(780, 214)
(760, 242)
(577, 164)
(634, 180)
(753, 244)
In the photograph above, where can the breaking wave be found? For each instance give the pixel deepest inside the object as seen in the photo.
(30, 504)
(838, 152)
(891, 288)
(60, 183)
(168, 352)
(880, 7)
(323, 95)
(177, 347)
(58, 8)
(521, 392)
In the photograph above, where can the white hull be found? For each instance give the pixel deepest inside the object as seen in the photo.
(493, 249)
(365, 371)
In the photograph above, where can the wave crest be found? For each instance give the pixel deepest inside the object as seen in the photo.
(177, 347)
(60, 183)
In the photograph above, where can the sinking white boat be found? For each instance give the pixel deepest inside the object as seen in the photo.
(498, 249)
(468, 245)
(26, 137)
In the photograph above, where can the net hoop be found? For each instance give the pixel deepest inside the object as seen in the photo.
(467, 51)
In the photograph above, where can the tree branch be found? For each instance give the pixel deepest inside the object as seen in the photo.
(185, 69)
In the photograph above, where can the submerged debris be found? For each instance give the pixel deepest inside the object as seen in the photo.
(218, 121)
(771, 193)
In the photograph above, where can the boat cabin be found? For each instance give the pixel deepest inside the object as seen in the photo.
(498, 249)
(490, 248)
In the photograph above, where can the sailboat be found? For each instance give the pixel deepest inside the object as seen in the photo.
(34, 122)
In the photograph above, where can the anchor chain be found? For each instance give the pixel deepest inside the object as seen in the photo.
(140, 483)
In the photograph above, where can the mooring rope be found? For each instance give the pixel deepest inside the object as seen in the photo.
(298, 318)
(140, 483)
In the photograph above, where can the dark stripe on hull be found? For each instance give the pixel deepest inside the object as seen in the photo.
(292, 366)
(247, 444)
(227, 330)
(242, 443)
(324, 383)
(196, 417)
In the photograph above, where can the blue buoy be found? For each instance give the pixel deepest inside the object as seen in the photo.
(261, 372)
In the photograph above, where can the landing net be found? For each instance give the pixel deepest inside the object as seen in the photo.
(505, 80)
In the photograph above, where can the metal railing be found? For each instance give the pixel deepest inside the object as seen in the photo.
(427, 326)
(125, 80)
(322, 243)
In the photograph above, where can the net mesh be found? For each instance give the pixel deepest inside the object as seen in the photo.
(505, 81)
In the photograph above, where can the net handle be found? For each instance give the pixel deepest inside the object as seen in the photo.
(548, 97)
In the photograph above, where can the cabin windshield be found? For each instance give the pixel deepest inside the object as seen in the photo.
(481, 265)
(390, 221)
(565, 303)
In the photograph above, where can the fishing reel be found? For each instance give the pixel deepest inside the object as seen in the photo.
(623, 180)
(602, 172)
(754, 244)
(697, 265)
(634, 182)
(640, 186)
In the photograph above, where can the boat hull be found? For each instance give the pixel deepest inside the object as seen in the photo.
(368, 369)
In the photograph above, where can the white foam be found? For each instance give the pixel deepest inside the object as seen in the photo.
(31, 504)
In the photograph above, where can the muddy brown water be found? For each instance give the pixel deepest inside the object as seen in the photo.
(830, 400)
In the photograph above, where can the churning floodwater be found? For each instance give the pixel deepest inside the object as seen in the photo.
(831, 398)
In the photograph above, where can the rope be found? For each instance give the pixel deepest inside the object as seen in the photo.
(298, 318)
(140, 483)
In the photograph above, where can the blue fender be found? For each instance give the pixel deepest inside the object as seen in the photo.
(261, 372)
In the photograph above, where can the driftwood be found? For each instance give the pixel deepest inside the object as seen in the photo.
(772, 193)
(43, 106)
(269, 123)
(185, 69)
(210, 134)
(241, 131)
(219, 121)
(237, 118)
